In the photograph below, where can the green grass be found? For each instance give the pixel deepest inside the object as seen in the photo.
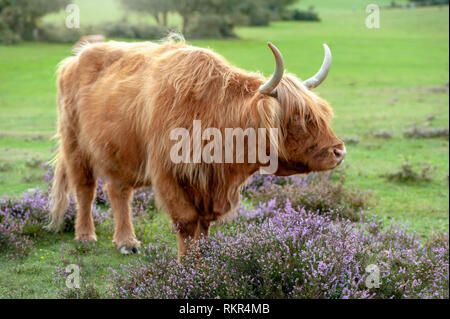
(380, 79)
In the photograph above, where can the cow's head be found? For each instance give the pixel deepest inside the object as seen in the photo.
(309, 143)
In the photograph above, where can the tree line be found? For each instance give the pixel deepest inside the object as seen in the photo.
(20, 19)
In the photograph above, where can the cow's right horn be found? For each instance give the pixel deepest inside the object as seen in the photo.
(320, 76)
(270, 86)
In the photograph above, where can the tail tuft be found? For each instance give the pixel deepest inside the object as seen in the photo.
(59, 197)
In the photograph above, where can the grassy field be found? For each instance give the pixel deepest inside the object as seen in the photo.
(382, 79)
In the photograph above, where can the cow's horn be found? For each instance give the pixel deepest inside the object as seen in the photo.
(270, 86)
(320, 76)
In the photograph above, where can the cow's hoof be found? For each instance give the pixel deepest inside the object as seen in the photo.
(129, 250)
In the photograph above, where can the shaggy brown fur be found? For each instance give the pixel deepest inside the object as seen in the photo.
(117, 103)
(87, 39)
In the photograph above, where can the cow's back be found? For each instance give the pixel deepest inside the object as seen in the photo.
(99, 105)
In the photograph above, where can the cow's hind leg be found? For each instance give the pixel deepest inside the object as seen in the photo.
(124, 238)
(84, 184)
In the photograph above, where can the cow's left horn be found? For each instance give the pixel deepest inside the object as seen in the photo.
(270, 86)
(320, 76)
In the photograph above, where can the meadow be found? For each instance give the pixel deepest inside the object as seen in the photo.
(382, 80)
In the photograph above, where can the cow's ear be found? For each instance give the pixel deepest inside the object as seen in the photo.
(268, 112)
(274, 94)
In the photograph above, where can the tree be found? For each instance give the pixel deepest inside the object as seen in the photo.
(159, 9)
(430, 2)
(188, 9)
(22, 16)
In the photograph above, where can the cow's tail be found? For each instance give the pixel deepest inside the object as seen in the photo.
(59, 196)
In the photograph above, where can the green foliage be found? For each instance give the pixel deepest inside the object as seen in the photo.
(210, 26)
(258, 15)
(190, 10)
(299, 15)
(209, 19)
(123, 29)
(58, 34)
(159, 9)
(19, 18)
(407, 173)
(430, 2)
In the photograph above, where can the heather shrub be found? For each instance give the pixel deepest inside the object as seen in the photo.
(23, 218)
(315, 192)
(410, 173)
(33, 162)
(291, 253)
(417, 132)
(384, 134)
(11, 240)
(72, 256)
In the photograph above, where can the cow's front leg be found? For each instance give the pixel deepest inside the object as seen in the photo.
(180, 208)
(124, 238)
(202, 229)
(190, 232)
(186, 234)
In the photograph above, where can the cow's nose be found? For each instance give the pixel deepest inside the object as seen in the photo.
(339, 153)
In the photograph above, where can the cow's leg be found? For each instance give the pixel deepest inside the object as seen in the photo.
(124, 238)
(186, 233)
(183, 214)
(202, 229)
(84, 224)
(84, 184)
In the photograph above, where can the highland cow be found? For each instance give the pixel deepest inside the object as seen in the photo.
(118, 103)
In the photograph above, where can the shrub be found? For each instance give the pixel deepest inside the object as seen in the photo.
(298, 15)
(5, 166)
(20, 18)
(8, 36)
(240, 19)
(384, 134)
(11, 238)
(59, 34)
(430, 2)
(33, 162)
(416, 132)
(122, 29)
(258, 15)
(210, 26)
(288, 253)
(315, 192)
(22, 219)
(408, 174)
